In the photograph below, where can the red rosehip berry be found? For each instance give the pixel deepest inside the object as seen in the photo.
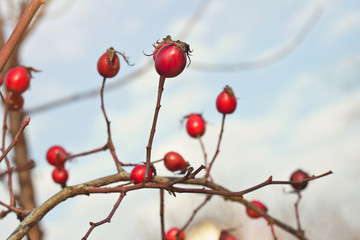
(170, 61)
(1, 80)
(17, 79)
(174, 161)
(56, 156)
(299, 175)
(15, 102)
(251, 213)
(226, 236)
(226, 101)
(138, 172)
(173, 234)
(158, 49)
(108, 64)
(60, 175)
(195, 125)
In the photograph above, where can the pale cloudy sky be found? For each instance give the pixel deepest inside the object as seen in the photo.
(301, 112)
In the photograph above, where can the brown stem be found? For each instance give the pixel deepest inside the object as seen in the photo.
(217, 148)
(29, 165)
(296, 205)
(195, 211)
(20, 212)
(162, 221)
(16, 138)
(103, 148)
(157, 183)
(153, 127)
(110, 142)
(204, 151)
(19, 31)
(107, 219)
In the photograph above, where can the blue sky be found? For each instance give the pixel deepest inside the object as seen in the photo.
(300, 112)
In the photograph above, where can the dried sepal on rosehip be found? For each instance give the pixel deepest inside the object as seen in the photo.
(299, 175)
(108, 64)
(170, 57)
(226, 101)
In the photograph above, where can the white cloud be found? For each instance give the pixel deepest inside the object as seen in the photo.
(328, 123)
(349, 22)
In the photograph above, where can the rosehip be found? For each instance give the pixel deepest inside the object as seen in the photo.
(108, 64)
(15, 102)
(158, 49)
(172, 234)
(299, 175)
(195, 125)
(138, 172)
(55, 154)
(174, 161)
(17, 79)
(251, 213)
(60, 175)
(226, 101)
(1, 80)
(170, 61)
(227, 236)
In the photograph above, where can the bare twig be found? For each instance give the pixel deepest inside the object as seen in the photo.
(296, 205)
(16, 138)
(103, 148)
(110, 142)
(196, 210)
(153, 127)
(95, 186)
(218, 146)
(19, 30)
(162, 221)
(203, 151)
(107, 219)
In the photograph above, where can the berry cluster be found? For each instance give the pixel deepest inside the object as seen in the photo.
(57, 156)
(170, 58)
(17, 81)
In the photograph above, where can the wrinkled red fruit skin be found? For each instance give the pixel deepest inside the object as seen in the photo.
(17, 79)
(195, 125)
(171, 234)
(227, 236)
(170, 61)
(174, 162)
(53, 153)
(226, 103)
(108, 69)
(251, 213)
(138, 172)
(60, 176)
(299, 175)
